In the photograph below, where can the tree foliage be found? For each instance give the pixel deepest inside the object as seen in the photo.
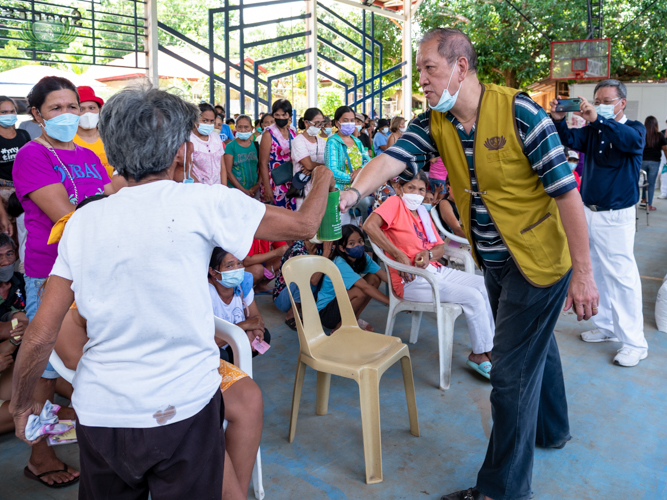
(514, 53)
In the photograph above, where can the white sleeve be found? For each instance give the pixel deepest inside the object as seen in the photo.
(235, 219)
(247, 300)
(61, 267)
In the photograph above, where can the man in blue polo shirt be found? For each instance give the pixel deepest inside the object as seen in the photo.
(613, 147)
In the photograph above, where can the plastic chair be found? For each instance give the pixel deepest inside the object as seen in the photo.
(238, 341)
(350, 352)
(445, 312)
(643, 184)
(464, 245)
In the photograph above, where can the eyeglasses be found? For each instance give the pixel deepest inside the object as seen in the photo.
(607, 102)
(316, 124)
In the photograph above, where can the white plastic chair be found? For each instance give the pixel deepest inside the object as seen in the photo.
(445, 312)
(643, 183)
(460, 255)
(238, 341)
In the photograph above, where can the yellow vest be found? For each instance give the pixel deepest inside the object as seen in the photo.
(526, 217)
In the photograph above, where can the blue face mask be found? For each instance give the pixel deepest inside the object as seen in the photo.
(327, 130)
(205, 128)
(259, 129)
(244, 136)
(8, 120)
(63, 127)
(427, 206)
(355, 252)
(231, 279)
(606, 111)
(447, 100)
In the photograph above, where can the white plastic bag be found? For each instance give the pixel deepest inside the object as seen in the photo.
(661, 307)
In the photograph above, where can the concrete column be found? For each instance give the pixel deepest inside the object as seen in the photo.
(407, 57)
(311, 58)
(152, 43)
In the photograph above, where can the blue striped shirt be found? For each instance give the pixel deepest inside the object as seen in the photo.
(542, 147)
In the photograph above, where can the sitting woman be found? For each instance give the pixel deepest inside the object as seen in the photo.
(403, 229)
(449, 215)
(233, 299)
(352, 261)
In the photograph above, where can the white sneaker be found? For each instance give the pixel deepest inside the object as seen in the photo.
(662, 197)
(627, 356)
(597, 335)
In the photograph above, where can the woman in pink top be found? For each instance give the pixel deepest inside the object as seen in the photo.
(207, 165)
(404, 230)
(308, 149)
(438, 174)
(52, 175)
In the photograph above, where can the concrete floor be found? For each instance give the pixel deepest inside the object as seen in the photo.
(616, 414)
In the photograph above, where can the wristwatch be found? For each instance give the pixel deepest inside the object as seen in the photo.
(430, 255)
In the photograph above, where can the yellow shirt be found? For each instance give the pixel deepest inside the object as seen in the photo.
(98, 148)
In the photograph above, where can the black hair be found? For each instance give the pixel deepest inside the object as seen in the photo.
(261, 120)
(4, 98)
(652, 132)
(309, 115)
(14, 207)
(341, 111)
(244, 117)
(221, 107)
(380, 124)
(419, 176)
(5, 239)
(283, 104)
(217, 257)
(348, 230)
(230, 121)
(204, 106)
(45, 86)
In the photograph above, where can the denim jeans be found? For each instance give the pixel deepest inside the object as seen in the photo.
(652, 168)
(528, 400)
(32, 300)
(283, 302)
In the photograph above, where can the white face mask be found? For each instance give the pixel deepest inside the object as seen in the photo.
(412, 201)
(313, 131)
(89, 120)
(403, 129)
(385, 130)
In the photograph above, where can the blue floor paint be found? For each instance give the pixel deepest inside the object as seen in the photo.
(617, 417)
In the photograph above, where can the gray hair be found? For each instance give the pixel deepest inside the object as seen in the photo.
(5, 239)
(452, 44)
(142, 128)
(244, 117)
(621, 90)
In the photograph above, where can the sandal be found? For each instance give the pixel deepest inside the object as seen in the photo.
(291, 323)
(38, 477)
(484, 369)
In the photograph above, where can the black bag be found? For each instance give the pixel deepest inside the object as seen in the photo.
(282, 174)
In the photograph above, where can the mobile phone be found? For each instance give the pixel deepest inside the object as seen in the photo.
(567, 105)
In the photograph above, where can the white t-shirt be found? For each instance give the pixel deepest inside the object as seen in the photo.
(138, 262)
(234, 312)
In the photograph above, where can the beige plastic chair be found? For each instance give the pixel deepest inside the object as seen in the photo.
(445, 312)
(350, 352)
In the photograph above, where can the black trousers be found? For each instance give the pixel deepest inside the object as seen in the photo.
(175, 461)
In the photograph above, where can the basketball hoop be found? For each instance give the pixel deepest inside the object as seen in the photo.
(581, 59)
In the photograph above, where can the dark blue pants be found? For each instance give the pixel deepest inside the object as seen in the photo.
(528, 398)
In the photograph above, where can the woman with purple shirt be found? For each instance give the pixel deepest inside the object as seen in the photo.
(52, 175)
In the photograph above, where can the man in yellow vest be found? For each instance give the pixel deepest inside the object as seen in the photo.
(523, 215)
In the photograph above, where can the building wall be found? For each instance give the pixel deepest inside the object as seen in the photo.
(644, 99)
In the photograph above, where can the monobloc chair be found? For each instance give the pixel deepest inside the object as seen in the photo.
(459, 255)
(350, 352)
(238, 341)
(445, 312)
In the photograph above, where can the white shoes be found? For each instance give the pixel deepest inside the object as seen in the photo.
(662, 197)
(627, 356)
(598, 335)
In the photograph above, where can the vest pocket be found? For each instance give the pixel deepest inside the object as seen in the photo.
(539, 240)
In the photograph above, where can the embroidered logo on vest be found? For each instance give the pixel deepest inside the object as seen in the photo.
(495, 143)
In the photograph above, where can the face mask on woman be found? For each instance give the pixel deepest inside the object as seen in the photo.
(62, 127)
(412, 201)
(355, 252)
(313, 131)
(385, 130)
(359, 128)
(428, 206)
(573, 164)
(89, 121)
(347, 128)
(244, 136)
(328, 130)
(205, 128)
(8, 120)
(282, 122)
(403, 129)
(231, 279)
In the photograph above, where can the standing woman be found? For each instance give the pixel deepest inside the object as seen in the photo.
(344, 155)
(274, 150)
(207, 165)
(655, 144)
(308, 149)
(241, 158)
(52, 175)
(11, 140)
(87, 134)
(397, 128)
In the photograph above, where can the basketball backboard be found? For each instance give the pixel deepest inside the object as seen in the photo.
(581, 59)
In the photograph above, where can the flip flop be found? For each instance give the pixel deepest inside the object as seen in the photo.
(484, 369)
(291, 323)
(38, 477)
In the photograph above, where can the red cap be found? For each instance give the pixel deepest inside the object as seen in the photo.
(88, 94)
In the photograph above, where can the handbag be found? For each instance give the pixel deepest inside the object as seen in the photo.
(282, 174)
